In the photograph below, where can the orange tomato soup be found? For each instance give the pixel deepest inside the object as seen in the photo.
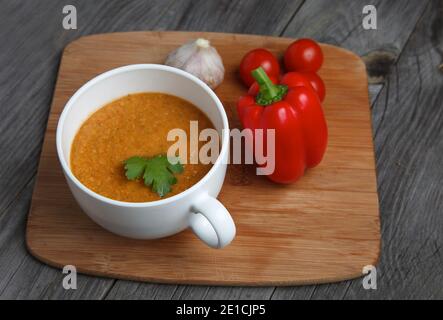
(134, 125)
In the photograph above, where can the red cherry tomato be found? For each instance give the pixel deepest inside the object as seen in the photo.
(296, 79)
(303, 55)
(317, 83)
(306, 79)
(258, 58)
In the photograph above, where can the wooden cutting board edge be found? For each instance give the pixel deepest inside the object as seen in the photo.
(122, 276)
(54, 264)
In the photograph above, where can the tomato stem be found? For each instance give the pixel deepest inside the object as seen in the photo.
(269, 92)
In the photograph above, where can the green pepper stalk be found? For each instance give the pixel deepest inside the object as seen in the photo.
(269, 92)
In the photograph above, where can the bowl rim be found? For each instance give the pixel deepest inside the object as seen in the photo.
(129, 68)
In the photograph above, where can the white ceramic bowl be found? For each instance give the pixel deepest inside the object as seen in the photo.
(196, 207)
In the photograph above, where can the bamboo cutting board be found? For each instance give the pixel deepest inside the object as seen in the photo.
(324, 228)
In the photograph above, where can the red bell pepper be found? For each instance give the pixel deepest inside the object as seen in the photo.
(293, 109)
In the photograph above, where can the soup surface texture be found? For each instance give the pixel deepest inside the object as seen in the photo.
(134, 125)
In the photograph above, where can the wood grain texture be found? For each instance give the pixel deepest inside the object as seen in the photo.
(33, 39)
(33, 36)
(407, 120)
(22, 276)
(35, 27)
(339, 22)
(308, 242)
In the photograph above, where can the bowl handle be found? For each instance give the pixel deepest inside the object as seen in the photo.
(211, 222)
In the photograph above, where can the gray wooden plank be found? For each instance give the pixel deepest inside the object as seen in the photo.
(24, 113)
(250, 16)
(132, 290)
(223, 293)
(262, 17)
(374, 90)
(29, 64)
(407, 122)
(34, 36)
(408, 129)
(23, 277)
(191, 292)
(339, 22)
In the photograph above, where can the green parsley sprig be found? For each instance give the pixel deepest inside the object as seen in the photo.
(156, 172)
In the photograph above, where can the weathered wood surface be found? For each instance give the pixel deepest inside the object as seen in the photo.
(314, 244)
(407, 115)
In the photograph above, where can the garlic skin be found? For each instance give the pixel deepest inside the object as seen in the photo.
(199, 58)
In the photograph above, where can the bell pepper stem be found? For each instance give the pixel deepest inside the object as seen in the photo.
(267, 88)
(269, 92)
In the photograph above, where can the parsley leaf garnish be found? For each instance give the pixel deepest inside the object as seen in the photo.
(156, 172)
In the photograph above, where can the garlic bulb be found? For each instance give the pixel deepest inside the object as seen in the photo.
(199, 58)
